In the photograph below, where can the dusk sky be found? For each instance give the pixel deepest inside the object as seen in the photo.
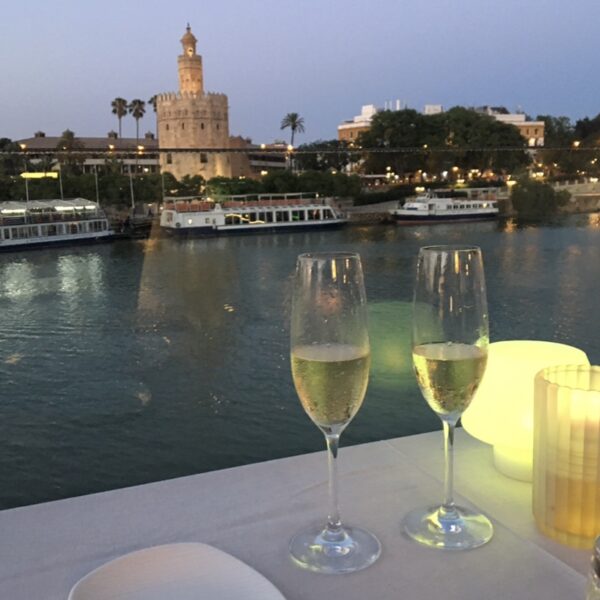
(64, 61)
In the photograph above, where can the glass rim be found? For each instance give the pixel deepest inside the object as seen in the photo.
(327, 255)
(450, 248)
(547, 375)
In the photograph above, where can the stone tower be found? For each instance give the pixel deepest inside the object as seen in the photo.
(192, 118)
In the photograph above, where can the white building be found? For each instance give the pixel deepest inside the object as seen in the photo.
(349, 130)
(532, 131)
(433, 109)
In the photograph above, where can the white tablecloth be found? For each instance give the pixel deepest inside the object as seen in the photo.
(252, 511)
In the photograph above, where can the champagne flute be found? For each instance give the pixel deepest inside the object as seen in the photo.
(330, 356)
(450, 341)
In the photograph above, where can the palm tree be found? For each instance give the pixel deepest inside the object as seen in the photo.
(295, 122)
(152, 102)
(119, 108)
(137, 108)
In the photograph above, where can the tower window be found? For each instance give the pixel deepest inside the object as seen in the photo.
(201, 125)
(217, 126)
(203, 157)
(183, 126)
(167, 127)
(169, 158)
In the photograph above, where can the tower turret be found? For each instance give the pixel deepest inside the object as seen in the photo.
(190, 65)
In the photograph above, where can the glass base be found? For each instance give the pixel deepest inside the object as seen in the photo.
(345, 551)
(460, 529)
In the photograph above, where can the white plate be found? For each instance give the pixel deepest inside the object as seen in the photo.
(175, 572)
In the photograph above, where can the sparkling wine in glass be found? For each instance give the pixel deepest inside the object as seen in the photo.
(450, 342)
(330, 356)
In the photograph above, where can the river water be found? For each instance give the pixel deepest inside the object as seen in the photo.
(138, 361)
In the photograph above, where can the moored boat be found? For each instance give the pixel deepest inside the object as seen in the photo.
(49, 222)
(248, 214)
(449, 205)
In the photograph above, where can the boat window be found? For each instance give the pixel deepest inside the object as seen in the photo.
(283, 216)
(462, 206)
(232, 219)
(6, 233)
(313, 215)
(269, 218)
(327, 214)
(33, 232)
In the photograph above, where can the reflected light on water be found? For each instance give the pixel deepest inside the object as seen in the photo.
(594, 219)
(77, 273)
(18, 281)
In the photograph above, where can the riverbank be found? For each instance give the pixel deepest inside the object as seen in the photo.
(582, 203)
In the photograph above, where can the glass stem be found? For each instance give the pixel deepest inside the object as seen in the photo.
(448, 504)
(334, 523)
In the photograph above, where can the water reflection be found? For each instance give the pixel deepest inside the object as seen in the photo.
(594, 220)
(76, 273)
(18, 281)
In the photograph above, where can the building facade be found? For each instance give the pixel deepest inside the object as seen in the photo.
(348, 131)
(142, 156)
(532, 131)
(193, 118)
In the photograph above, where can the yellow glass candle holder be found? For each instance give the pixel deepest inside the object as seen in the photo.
(566, 457)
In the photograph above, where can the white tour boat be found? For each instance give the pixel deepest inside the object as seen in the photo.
(44, 222)
(449, 205)
(248, 214)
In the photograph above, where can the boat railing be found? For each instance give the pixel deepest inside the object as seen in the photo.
(270, 203)
(303, 196)
(54, 217)
(190, 206)
(187, 207)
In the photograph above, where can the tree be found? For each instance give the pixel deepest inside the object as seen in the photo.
(137, 109)
(322, 156)
(587, 130)
(559, 156)
(190, 185)
(11, 163)
(152, 102)
(70, 163)
(403, 129)
(119, 108)
(229, 186)
(534, 199)
(295, 122)
(459, 137)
